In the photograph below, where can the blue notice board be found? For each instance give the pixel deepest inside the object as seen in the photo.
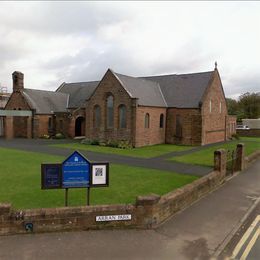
(75, 171)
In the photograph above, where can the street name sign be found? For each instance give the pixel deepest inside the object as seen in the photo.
(114, 218)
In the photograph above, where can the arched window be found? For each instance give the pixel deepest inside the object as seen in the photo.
(122, 116)
(97, 116)
(147, 121)
(161, 120)
(178, 126)
(210, 106)
(110, 111)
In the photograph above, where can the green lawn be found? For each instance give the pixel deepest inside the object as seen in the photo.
(144, 152)
(206, 156)
(20, 182)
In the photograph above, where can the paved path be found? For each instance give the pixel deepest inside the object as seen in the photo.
(41, 145)
(195, 233)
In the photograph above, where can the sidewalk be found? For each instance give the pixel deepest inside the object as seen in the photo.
(195, 233)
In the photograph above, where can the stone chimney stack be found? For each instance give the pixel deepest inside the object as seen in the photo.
(17, 81)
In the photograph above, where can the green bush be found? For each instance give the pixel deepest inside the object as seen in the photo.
(59, 136)
(86, 141)
(235, 136)
(111, 143)
(45, 136)
(124, 144)
(94, 142)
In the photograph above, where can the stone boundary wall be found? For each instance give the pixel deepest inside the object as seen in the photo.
(148, 211)
(250, 133)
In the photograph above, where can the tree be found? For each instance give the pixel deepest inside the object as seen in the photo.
(232, 106)
(249, 105)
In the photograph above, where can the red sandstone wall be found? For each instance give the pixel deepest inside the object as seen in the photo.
(191, 126)
(17, 101)
(154, 134)
(214, 122)
(110, 84)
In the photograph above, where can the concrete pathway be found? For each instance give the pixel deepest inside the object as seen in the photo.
(197, 232)
(41, 145)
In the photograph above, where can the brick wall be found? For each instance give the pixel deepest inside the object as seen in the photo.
(154, 134)
(110, 85)
(231, 124)
(17, 101)
(250, 132)
(190, 123)
(214, 112)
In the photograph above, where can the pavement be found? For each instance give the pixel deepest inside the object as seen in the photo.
(202, 231)
(159, 163)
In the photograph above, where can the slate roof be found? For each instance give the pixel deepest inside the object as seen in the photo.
(78, 92)
(180, 91)
(46, 102)
(148, 92)
(184, 90)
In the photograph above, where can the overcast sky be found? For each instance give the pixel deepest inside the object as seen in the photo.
(53, 42)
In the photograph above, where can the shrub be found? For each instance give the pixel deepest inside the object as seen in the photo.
(45, 136)
(235, 136)
(86, 141)
(124, 144)
(59, 136)
(94, 142)
(112, 144)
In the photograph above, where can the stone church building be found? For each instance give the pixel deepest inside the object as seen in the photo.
(178, 109)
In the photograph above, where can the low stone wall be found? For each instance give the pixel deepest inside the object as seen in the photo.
(148, 211)
(251, 158)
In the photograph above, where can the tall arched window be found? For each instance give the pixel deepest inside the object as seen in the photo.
(110, 111)
(161, 120)
(122, 116)
(97, 116)
(147, 121)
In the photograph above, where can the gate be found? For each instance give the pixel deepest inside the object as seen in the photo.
(231, 162)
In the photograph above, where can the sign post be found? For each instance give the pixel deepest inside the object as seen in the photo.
(88, 196)
(66, 197)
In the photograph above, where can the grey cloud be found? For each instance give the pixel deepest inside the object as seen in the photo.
(63, 17)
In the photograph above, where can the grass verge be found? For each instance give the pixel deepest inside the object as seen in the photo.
(143, 152)
(205, 156)
(21, 183)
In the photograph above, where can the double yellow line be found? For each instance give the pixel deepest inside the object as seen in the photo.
(254, 227)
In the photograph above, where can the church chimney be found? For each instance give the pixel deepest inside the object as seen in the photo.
(17, 81)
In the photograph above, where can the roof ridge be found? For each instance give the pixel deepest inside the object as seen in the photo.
(139, 78)
(81, 82)
(162, 75)
(43, 90)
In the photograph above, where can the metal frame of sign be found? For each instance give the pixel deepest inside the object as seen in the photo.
(72, 186)
(44, 167)
(106, 184)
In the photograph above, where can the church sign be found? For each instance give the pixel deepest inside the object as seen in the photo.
(75, 172)
(51, 176)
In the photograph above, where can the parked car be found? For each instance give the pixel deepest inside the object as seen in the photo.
(242, 127)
